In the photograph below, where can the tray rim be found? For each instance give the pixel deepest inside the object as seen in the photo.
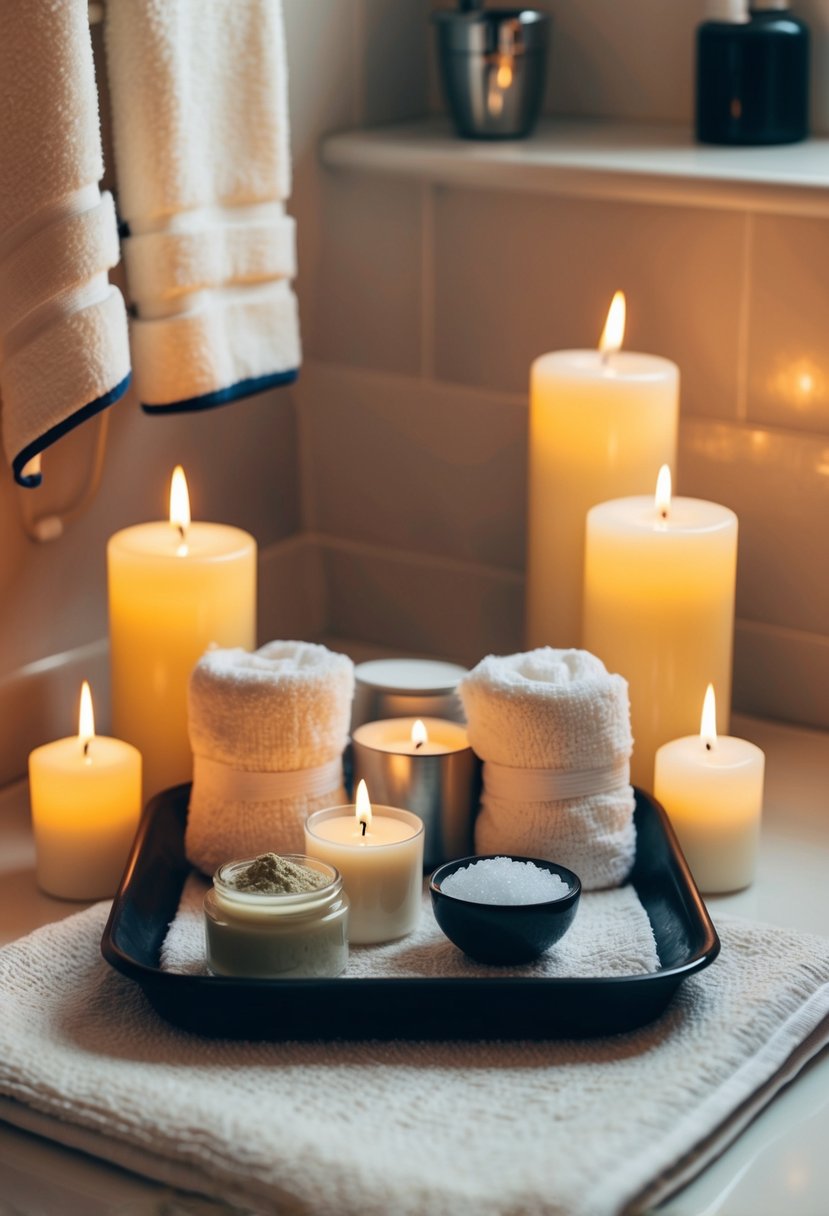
(143, 974)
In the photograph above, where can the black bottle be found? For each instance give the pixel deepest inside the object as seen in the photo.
(753, 75)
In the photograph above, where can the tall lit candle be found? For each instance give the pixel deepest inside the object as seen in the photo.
(659, 609)
(379, 852)
(175, 588)
(601, 422)
(86, 801)
(712, 788)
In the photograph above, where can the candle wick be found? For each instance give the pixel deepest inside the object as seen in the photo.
(664, 513)
(605, 357)
(86, 749)
(182, 531)
(363, 828)
(708, 746)
(419, 744)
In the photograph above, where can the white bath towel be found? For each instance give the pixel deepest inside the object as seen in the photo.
(268, 731)
(64, 352)
(200, 125)
(553, 728)
(474, 1129)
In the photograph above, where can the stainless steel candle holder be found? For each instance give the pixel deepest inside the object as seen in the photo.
(492, 64)
(443, 790)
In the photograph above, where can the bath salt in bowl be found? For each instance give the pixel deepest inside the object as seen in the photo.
(504, 909)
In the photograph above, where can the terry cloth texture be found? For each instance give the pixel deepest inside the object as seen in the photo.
(200, 125)
(553, 712)
(64, 352)
(284, 709)
(611, 935)
(586, 1128)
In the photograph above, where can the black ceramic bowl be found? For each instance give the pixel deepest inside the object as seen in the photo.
(504, 933)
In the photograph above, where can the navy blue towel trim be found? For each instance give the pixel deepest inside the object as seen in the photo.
(223, 396)
(32, 480)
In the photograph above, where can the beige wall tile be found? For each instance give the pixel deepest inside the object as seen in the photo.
(292, 601)
(423, 605)
(395, 60)
(367, 308)
(416, 465)
(521, 274)
(778, 484)
(779, 673)
(788, 353)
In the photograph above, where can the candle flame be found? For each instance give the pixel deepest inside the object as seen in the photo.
(419, 734)
(662, 500)
(613, 334)
(363, 807)
(86, 718)
(708, 721)
(179, 501)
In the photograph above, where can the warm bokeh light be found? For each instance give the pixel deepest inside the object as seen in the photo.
(708, 721)
(86, 717)
(613, 334)
(179, 500)
(363, 806)
(419, 734)
(662, 498)
(504, 76)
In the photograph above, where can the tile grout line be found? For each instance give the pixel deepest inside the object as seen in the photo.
(744, 320)
(427, 282)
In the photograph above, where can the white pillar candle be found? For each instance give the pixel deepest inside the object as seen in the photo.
(712, 789)
(379, 852)
(413, 736)
(86, 801)
(659, 609)
(601, 423)
(174, 589)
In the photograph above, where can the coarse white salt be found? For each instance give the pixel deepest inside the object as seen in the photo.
(500, 880)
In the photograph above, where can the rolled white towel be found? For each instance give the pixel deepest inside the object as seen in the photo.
(553, 728)
(268, 731)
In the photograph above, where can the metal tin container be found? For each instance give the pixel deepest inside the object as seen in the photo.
(402, 688)
(443, 789)
(493, 65)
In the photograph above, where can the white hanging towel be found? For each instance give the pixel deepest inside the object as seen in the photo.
(64, 352)
(200, 125)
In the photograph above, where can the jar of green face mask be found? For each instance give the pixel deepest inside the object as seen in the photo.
(277, 918)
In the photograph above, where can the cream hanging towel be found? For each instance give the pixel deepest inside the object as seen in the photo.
(200, 126)
(64, 352)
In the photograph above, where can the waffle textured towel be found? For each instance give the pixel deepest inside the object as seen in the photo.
(473, 1129)
(200, 124)
(553, 728)
(268, 731)
(64, 352)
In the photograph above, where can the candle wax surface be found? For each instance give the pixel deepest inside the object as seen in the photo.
(599, 429)
(348, 830)
(394, 735)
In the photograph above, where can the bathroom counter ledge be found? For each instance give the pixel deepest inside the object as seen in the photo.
(779, 1164)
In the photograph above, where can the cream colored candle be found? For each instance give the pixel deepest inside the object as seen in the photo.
(413, 736)
(659, 609)
(86, 801)
(379, 852)
(174, 589)
(712, 789)
(601, 423)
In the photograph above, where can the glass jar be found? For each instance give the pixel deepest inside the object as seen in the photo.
(266, 936)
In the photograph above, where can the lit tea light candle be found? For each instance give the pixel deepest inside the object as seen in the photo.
(175, 588)
(601, 422)
(712, 788)
(659, 581)
(85, 795)
(427, 766)
(379, 853)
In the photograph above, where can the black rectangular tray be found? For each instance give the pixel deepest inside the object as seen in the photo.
(397, 1008)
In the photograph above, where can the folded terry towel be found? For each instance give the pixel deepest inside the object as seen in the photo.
(553, 729)
(200, 124)
(570, 1128)
(64, 352)
(268, 731)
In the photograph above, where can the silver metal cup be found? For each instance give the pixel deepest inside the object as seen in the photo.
(493, 64)
(442, 789)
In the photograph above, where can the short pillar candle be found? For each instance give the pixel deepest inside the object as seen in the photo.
(379, 853)
(86, 802)
(712, 789)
